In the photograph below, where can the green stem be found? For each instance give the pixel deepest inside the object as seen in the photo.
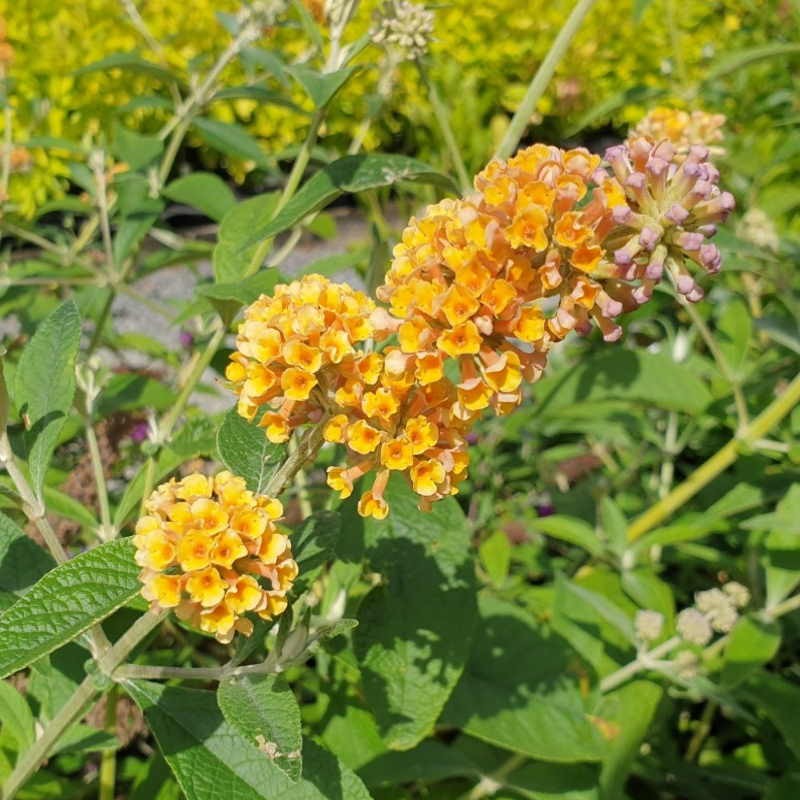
(307, 449)
(641, 662)
(719, 462)
(541, 79)
(702, 731)
(721, 361)
(492, 783)
(99, 479)
(443, 120)
(76, 706)
(108, 758)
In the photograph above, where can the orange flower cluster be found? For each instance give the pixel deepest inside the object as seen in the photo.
(209, 549)
(478, 291)
(296, 354)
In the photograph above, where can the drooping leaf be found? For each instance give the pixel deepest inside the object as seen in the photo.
(228, 298)
(571, 530)
(235, 243)
(66, 601)
(536, 710)
(230, 139)
(204, 191)
(22, 562)
(45, 385)
(245, 450)
(16, 716)
(351, 174)
(320, 86)
(414, 633)
(213, 761)
(264, 710)
(131, 62)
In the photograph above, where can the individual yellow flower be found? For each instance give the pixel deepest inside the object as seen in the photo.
(397, 454)
(209, 549)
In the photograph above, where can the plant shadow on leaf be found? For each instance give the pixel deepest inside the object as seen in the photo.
(520, 689)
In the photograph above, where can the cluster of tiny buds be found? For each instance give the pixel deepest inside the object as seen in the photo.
(649, 625)
(404, 27)
(714, 611)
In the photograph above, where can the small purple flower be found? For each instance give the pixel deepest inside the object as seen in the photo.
(186, 339)
(545, 509)
(472, 438)
(139, 432)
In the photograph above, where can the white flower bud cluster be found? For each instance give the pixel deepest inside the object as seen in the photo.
(714, 611)
(648, 625)
(405, 27)
(757, 228)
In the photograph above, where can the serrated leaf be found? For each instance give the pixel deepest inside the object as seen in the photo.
(264, 710)
(635, 376)
(204, 191)
(15, 715)
(320, 86)
(351, 174)
(414, 630)
(45, 385)
(232, 140)
(536, 711)
(245, 450)
(66, 601)
(22, 562)
(213, 761)
(235, 246)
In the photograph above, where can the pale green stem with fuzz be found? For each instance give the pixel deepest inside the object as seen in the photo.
(721, 361)
(99, 479)
(719, 462)
(77, 705)
(443, 120)
(8, 138)
(541, 79)
(98, 168)
(491, 784)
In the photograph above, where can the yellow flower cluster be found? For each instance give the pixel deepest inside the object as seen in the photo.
(210, 550)
(683, 129)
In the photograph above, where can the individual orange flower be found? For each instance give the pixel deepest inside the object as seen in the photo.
(210, 549)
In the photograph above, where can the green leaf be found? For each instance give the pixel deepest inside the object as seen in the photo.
(626, 714)
(495, 555)
(351, 174)
(731, 62)
(571, 530)
(778, 700)
(320, 86)
(639, 7)
(54, 678)
(45, 385)
(734, 331)
(232, 140)
(259, 93)
(414, 630)
(66, 506)
(213, 761)
(66, 601)
(545, 781)
(263, 709)
(132, 62)
(232, 254)
(245, 450)
(614, 525)
(230, 297)
(16, 717)
(517, 692)
(635, 376)
(136, 149)
(751, 643)
(22, 562)
(204, 191)
(330, 265)
(313, 542)
(782, 556)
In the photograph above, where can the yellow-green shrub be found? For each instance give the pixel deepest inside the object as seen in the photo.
(483, 56)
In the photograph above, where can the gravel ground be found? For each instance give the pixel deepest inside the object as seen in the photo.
(175, 285)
